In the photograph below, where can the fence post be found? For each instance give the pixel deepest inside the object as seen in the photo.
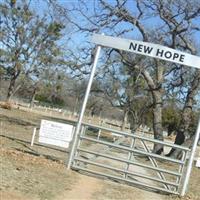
(33, 136)
(78, 126)
(189, 168)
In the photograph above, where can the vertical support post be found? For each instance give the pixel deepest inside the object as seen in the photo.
(33, 136)
(84, 106)
(154, 163)
(181, 170)
(130, 155)
(189, 168)
(79, 141)
(99, 134)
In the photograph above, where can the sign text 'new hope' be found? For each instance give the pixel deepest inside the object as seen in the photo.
(148, 49)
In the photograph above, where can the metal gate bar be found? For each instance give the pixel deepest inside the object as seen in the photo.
(130, 154)
(124, 174)
(133, 150)
(123, 179)
(154, 163)
(131, 162)
(133, 135)
(126, 171)
(181, 167)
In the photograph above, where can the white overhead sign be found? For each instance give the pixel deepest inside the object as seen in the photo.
(148, 49)
(55, 133)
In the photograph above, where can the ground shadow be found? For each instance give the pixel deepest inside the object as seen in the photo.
(102, 177)
(17, 121)
(24, 142)
(29, 150)
(35, 153)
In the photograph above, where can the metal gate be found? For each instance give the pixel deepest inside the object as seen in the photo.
(128, 159)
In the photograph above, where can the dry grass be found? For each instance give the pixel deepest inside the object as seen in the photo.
(39, 172)
(33, 177)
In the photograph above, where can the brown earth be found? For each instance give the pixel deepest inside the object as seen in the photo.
(39, 172)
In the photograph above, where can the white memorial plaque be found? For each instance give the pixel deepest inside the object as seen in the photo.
(55, 133)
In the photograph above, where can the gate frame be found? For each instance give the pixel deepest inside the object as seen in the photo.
(80, 119)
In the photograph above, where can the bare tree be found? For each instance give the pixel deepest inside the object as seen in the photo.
(180, 26)
(28, 41)
(172, 23)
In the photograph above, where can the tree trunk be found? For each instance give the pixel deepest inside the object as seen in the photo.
(157, 121)
(183, 136)
(75, 106)
(14, 76)
(11, 88)
(33, 97)
(100, 113)
(156, 91)
(133, 119)
(125, 118)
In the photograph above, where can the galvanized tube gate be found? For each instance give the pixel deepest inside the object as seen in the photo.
(129, 161)
(129, 158)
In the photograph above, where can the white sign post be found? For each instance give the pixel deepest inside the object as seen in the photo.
(78, 126)
(55, 133)
(33, 136)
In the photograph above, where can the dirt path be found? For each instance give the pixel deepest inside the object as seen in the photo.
(139, 194)
(83, 190)
(89, 188)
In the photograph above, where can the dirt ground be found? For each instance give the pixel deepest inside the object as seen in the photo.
(39, 172)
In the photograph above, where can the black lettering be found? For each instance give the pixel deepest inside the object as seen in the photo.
(176, 55)
(132, 46)
(140, 47)
(148, 49)
(159, 52)
(168, 54)
(182, 58)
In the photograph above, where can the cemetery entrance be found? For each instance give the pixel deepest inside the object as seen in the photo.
(129, 158)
